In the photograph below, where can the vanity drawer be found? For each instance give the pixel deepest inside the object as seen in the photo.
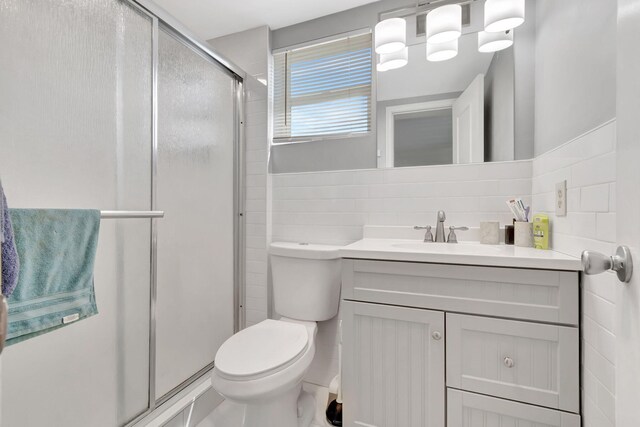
(540, 295)
(474, 410)
(528, 362)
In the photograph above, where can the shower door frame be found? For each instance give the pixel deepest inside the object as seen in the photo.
(161, 19)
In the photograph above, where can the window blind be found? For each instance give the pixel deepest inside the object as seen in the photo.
(323, 89)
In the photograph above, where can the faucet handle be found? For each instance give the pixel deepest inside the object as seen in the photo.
(428, 236)
(452, 238)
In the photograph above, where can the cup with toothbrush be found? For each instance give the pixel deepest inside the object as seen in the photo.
(523, 229)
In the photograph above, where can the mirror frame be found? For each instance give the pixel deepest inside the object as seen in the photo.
(393, 110)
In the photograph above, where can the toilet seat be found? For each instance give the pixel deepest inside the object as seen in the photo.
(261, 350)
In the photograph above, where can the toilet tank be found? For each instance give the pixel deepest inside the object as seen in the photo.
(306, 280)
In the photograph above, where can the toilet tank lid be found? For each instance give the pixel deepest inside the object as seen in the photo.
(304, 250)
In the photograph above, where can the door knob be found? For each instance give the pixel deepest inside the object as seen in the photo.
(596, 263)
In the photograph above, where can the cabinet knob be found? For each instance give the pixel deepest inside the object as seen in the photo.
(436, 335)
(508, 362)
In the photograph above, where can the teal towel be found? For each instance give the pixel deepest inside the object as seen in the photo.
(57, 250)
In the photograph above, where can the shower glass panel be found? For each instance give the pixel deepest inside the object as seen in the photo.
(196, 123)
(75, 132)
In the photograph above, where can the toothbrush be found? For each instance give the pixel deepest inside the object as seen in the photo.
(512, 206)
(521, 210)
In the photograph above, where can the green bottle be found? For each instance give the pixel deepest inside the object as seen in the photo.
(541, 231)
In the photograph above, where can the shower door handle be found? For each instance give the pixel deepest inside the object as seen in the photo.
(4, 317)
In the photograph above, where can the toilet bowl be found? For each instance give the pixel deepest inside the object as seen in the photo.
(259, 362)
(259, 370)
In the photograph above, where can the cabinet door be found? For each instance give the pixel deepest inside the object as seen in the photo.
(393, 366)
(476, 410)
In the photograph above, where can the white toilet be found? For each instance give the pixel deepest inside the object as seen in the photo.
(259, 370)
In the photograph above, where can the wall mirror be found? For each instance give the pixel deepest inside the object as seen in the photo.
(474, 107)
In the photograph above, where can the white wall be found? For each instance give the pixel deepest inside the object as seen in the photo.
(575, 76)
(248, 49)
(588, 163)
(332, 207)
(499, 108)
(525, 66)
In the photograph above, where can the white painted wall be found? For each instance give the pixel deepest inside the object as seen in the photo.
(248, 49)
(499, 108)
(575, 69)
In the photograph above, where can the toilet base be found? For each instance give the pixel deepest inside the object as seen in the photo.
(298, 404)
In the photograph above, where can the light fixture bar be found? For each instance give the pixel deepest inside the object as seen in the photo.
(420, 9)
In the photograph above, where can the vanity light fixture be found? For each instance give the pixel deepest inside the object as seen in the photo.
(493, 42)
(390, 35)
(437, 52)
(503, 15)
(394, 60)
(444, 24)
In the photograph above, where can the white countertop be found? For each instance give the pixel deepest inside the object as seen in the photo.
(467, 253)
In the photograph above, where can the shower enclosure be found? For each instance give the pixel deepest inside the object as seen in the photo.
(109, 104)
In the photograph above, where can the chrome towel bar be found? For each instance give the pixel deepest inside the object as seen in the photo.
(131, 214)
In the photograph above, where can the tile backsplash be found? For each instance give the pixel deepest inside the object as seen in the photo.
(256, 178)
(588, 163)
(332, 207)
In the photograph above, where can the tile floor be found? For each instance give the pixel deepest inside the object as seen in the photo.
(319, 393)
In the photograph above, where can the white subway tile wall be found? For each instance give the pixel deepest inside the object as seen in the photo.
(256, 157)
(588, 163)
(332, 208)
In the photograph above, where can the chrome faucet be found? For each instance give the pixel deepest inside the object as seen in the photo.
(440, 227)
(452, 238)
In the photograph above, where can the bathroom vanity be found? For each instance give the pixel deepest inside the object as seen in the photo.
(463, 335)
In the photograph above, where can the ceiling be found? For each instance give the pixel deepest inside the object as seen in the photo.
(214, 18)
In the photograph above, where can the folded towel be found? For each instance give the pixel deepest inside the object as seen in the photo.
(57, 251)
(10, 259)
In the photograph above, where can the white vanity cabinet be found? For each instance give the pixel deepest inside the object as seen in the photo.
(394, 365)
(435, 345)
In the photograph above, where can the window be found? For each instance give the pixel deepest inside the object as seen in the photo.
(323, 90)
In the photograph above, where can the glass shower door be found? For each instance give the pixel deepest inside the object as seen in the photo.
(75, 132)
(195, 177)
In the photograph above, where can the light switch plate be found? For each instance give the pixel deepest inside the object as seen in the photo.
(561, 198)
